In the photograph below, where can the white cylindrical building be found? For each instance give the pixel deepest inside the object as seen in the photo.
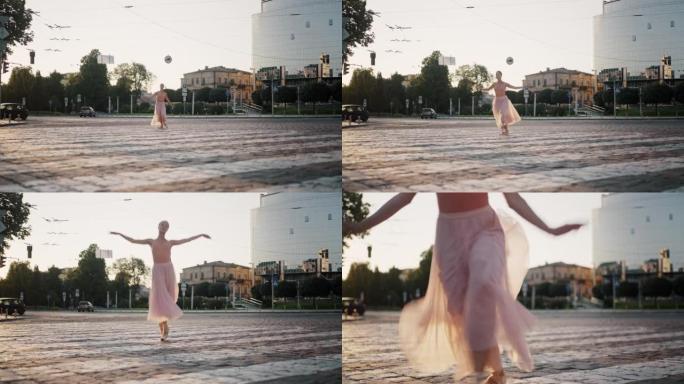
(635, 227)
(294, 34)
(295, 227)
(637, 34)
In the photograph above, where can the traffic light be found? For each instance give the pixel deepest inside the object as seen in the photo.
(5, 67)
(29, 250)
(2, 261)
(373, 58)
(346, 68)
(32, 55)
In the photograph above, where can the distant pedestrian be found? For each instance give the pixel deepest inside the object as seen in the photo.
(164, 290)
(502, 108)
(469, 312)
(160, 100)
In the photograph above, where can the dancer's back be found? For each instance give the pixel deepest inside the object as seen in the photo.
(461, 202)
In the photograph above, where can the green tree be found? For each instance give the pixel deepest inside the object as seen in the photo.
(14, 214)
(286, 95)
(358, 23)
(38, 99)
(217, 290)
(55, 90)
(678, 285)
(396, 93)
(256, 98)
(336, 91)
(360, 87)
(678, 92)
(545, 96)
(20, 27)
(287, 289)
(475, 75)
(354, 209)
(218, 95)
(657, 93)
(627, 289)
(53, 285)
(598, 99)
(202, 94)
(91, 276)
(18, 280)
(433, 83)
(20, 84)
(93, 81)
(134, 268)
(560, 96)
(136, 75)
(656, 287)
(314, 92)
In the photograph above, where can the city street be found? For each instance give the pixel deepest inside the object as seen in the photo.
(539, 155)
(52, 347)
(568, 347)
(54, 154)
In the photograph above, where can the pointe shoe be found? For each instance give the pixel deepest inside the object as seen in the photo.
(496, 378)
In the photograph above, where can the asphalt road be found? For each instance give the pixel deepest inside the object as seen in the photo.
(56, 154)
(60, 347)
(569, 347)
(539, 155)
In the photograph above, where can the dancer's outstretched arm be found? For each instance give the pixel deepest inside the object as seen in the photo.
(385, 212)
(189, 239)
(513, 87)
(518, 204)
(132, 240)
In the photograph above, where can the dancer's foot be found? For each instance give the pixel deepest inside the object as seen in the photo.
(497, 377)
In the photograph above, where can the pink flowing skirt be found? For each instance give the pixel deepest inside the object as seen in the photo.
(478, 265)
(163, 294)
(159, 114)
(504, 112)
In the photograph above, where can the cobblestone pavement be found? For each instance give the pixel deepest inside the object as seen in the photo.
(54, 154)
(209, 348)
(567, 347)
(539, 155)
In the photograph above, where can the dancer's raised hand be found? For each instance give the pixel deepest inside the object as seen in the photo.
(114, 233)
(205, 236)
(563, 229)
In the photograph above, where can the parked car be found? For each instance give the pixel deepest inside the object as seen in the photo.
(12, 111)
(352, 307)
(85, 306)
(86, 112)
(428, 113)
(12, 306)
(354, 112)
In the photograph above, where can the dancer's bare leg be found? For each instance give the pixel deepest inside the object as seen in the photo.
(166, 328)
(161, 329)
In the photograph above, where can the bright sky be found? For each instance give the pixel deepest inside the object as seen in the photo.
(225, 217)
(400, 240)
(195, 33)
(536, 33)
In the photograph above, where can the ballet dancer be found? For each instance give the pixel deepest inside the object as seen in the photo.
(160, 100)
(469, 311)
(164, 290)
(502, 108)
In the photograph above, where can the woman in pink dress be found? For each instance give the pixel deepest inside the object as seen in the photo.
(160, 100)
(469, 312)
(504, 111)
(164, 290)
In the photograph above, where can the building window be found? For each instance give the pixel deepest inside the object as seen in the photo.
(649, 26)
(306, 219)
(633, 37)
(631, 231)
(648, 219)
(292, 37)
(330, 22)
(672, 24)
(202, 275)
(291, 231)
(671, 217)
(308, 24)
(545, 82)
(330, 216)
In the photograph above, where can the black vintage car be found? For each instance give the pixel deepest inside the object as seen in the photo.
(13, 111)
(354, 112)
(11, 306)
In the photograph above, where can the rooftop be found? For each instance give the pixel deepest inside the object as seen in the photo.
(219, 68)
